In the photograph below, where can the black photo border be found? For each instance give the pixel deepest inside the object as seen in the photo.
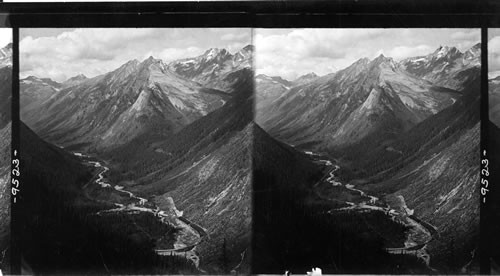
(257, 14)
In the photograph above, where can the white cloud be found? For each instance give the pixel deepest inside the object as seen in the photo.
(494, 54)
(5, 36)
(464, 35)
(93, 51)
(293, 52)
(171, 54)
(402, 52)
(236, 36)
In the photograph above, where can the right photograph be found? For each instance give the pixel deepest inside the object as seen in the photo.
(366, 151)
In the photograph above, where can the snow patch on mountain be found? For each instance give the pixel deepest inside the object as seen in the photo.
(214, 200)
(177, 102)
(207, 169)
(418, 60)
(438, 167)
(408, 101)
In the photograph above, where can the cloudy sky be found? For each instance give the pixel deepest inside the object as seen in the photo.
(5, 36)
(290, 53)
(63, 53)
(493, 53)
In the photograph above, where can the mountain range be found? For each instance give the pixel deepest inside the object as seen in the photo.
(138, 97)
(349, 105)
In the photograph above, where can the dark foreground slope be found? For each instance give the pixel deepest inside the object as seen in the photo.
(5, 149)
(294, 230)
(60, 231)
(493, 204)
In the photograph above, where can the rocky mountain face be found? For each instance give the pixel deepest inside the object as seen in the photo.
(139, 97)
(5, 151)
(365, 98)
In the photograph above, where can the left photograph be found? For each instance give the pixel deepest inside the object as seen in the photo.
(135, 150)
(5, 144)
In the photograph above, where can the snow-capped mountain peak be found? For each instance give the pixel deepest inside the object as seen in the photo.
(473, 52)
(244, 53)
(214, 67)
(6, 55)
(446, 51)
(214, 53)
(444, 62)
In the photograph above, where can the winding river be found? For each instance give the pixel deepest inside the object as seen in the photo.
(414, 244)
(187, 238)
